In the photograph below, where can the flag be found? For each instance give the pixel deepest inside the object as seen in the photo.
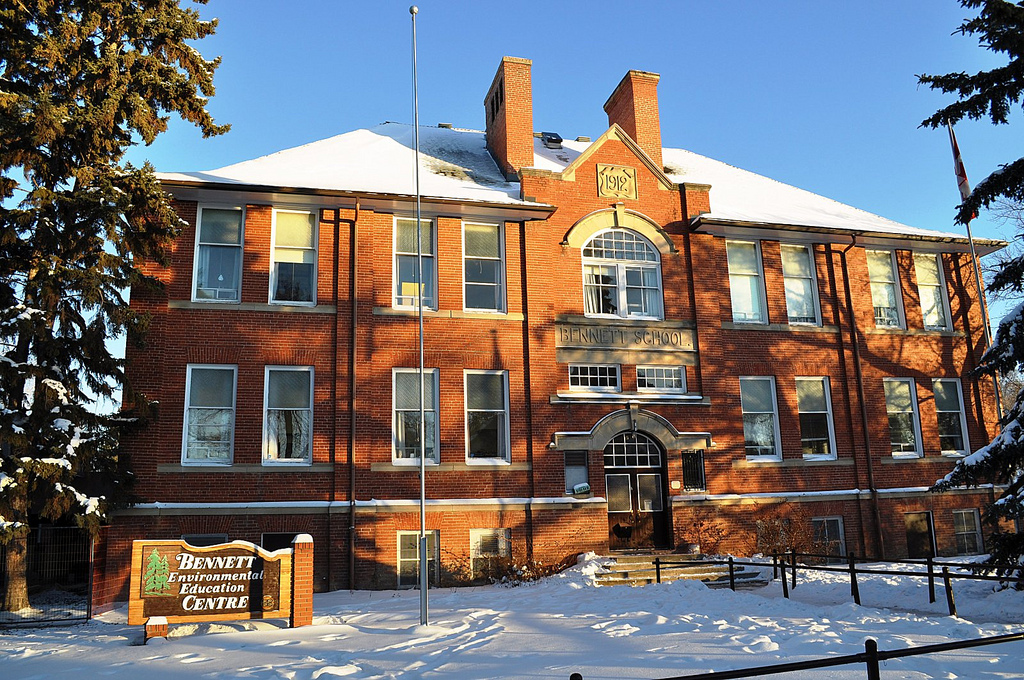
(958, 167)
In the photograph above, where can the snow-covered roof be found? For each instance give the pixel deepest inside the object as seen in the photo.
(455, 165)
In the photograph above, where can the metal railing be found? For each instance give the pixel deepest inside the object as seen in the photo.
(870, 657)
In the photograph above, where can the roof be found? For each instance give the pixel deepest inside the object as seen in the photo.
(456, 166)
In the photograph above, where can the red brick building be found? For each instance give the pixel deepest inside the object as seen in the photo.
(623, 343)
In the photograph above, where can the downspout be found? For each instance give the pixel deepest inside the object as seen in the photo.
(527, 385)
(854, 335)
(837, 321)
(354, 306)
(334, 396)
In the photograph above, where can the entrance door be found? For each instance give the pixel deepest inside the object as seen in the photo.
(919, 535)
(635, 488)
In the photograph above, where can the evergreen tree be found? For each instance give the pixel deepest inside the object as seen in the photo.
(81, 81)
(155, 581)
(993, 94)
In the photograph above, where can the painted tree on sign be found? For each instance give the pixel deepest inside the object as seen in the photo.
(992, 94)
(155, 579)
(81, 81)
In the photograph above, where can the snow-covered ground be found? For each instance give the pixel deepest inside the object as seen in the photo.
(550, 629)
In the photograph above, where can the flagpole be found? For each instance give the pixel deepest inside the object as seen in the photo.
(424, 581)
(965, 190)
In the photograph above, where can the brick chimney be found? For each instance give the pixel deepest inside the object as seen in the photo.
(634, 106)
(508, 109)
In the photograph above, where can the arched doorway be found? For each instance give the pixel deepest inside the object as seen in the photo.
(636, 492)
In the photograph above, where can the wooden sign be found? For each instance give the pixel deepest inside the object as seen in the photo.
(179, 582)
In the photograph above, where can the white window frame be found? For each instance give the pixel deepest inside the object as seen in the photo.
(507, 453)
(199, 245)
(433, 561)
(576, 455)
(915, 414)
(621, 287)
(501, 285)
(662, 390)
(315, 214)
(269, 459)
(894, 270)
(430, 379)
(775, 419)
(759, 275)
(185, 460)
(428, 305)
(476, 538)
(963, 418)
(977, 531)
(617, 387)
(828, 415)
(941, 286)
(812, 283)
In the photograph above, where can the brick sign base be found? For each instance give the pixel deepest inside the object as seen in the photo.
(174, 582)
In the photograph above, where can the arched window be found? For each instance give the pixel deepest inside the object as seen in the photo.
(621, 275)
(632, 449)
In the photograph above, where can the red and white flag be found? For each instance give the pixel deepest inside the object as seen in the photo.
(958, 167)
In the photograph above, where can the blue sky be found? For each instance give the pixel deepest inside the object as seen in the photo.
(821, 95)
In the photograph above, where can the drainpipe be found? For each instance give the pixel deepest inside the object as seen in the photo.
(854, 335)
(837, 321)
(527, 385)
(354, 305)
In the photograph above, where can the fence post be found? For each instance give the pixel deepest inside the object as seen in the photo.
(854, 588)
(775, 565)
(792, 559)
(657, 569)
(949, 592)
(871, 651)
(931, 581)
(785, 582)
(575, 676)
(732, 575)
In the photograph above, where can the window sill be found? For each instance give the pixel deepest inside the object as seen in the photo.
(777, 327)
(447, 314)
(916, 331)
(277, 307)
(897, 460)
(450, 467)
(751, 462)
(627, 397)
(243, 469)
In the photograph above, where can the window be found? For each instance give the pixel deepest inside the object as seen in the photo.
(487, 547)
(949, 408)
(204, 540)
(660, 379)
(406, 270)
(745, 282)
(288, 415)
(407, 414)
(409, 559)
(575, 470)
(760, 417)
(632, 449)
(801, 286)
(484, 267)
(293, 276)
(829, 536)
(932, 289)
(209, 414)
(967, 530)
(901, 406)
(621, 276)
(885, 290)
(487, 430)
(277, 540)
(218, 274)
(814, 404)
(594, 377)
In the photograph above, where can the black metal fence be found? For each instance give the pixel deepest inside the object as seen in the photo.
(58, 563)
(870, 657)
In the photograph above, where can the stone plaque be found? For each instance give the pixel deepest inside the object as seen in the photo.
(649, 337)
(616, 181)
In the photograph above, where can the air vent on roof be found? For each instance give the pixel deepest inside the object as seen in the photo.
(447, 126)
(581, 138)
(551, 140)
